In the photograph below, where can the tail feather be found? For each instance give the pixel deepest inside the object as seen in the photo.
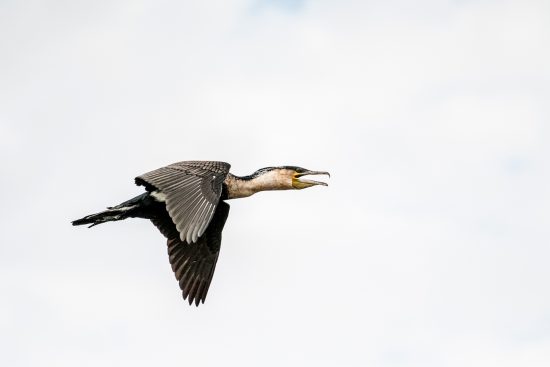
(108, 215)
(127, 209)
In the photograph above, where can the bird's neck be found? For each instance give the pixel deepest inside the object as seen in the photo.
(241, 187)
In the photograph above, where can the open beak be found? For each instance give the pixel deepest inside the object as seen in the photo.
(299, 183)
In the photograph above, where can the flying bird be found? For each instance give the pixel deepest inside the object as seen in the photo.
(186, 201)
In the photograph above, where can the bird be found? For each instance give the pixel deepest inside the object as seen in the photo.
(187, 202)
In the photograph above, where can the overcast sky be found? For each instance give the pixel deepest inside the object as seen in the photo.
(429, 247)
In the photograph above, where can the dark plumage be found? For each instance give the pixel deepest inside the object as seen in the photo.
(186, 202)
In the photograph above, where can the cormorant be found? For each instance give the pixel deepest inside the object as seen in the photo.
(186, 202)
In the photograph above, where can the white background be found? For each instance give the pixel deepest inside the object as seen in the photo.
(430, 247)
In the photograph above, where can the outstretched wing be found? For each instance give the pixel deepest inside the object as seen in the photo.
(192, 189)
(194, 263)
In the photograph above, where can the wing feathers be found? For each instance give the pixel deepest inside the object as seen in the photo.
(192, 218)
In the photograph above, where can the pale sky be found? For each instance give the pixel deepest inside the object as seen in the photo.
(429, 247)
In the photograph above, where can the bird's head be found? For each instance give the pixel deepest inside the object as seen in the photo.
(289, 177)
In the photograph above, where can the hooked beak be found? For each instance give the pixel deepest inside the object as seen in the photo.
(298, 183)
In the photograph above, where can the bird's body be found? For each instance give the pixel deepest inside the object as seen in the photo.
(186, 202)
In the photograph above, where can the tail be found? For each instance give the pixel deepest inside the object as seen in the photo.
(122, 211)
